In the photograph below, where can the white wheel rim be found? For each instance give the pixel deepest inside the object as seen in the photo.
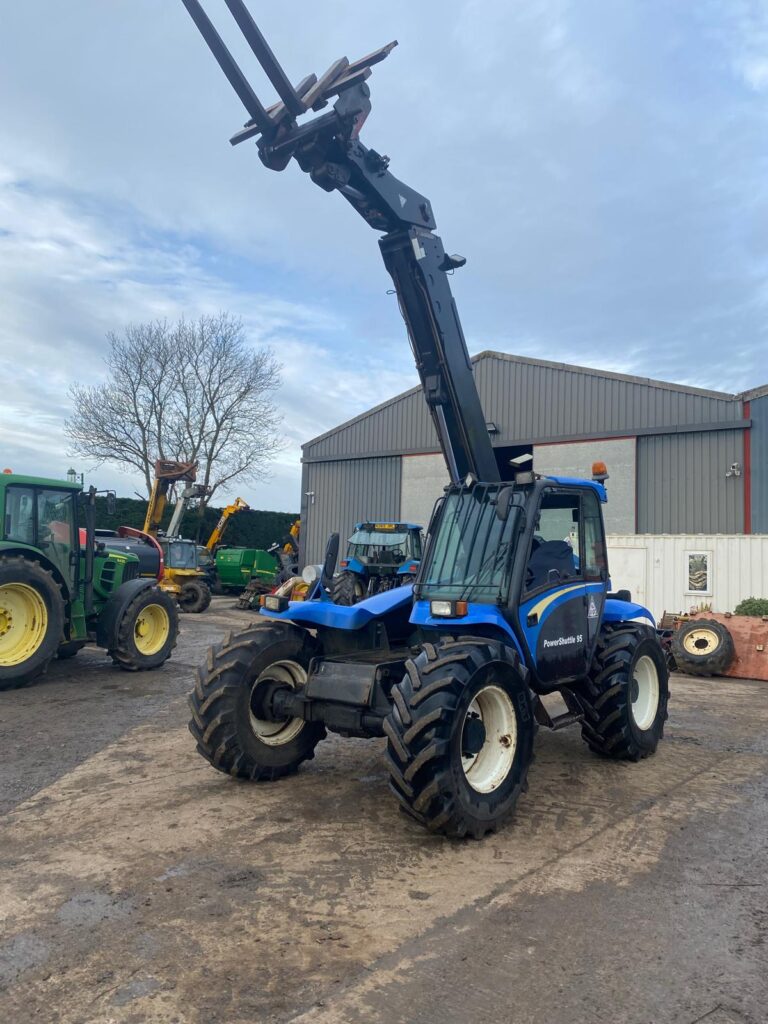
(701, 642)
(645, 692)
(489, 767)
(275, 734)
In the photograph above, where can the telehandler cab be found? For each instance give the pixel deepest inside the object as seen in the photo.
(504, 609)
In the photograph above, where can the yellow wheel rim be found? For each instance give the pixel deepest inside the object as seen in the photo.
(23, 623)
(701, 641)
(151, 629)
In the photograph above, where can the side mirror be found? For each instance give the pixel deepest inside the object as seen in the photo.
(111, 503)
(504, 502)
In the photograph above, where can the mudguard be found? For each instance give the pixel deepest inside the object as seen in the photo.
(111, 613)
(338, 616)
(626, 611)
(354, 565)
(477, 615)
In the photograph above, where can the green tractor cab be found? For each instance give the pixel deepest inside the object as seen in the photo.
(61, 589)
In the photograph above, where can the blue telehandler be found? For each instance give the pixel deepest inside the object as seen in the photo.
(512, 598)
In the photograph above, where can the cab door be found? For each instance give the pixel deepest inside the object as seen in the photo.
(554, 606)
(55, 529)
(594, 565)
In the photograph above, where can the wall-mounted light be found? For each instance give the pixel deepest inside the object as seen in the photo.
(311, 496)
(735, 470)
(492, 428)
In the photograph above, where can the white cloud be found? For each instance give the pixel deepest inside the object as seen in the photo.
(602, 166)
(68, 276)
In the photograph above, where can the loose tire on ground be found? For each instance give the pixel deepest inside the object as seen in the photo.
(232, 690)
(703, 647)
(195, 596)
(147, 631)
(347, 588)
(460, 736)
(625, 697)
(31, 620)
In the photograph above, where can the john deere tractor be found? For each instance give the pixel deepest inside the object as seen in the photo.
(60, 589)
(505, 613)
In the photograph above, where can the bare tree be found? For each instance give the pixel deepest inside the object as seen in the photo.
(190, 391)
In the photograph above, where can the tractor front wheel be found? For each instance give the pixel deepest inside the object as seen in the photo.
(625, 697)
(231, 719)
(347, 588)
(460, 736)
(31, 620)
(195, 596)
(146, 631)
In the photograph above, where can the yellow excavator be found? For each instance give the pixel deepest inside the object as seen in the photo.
(181, 575)
(238, 505)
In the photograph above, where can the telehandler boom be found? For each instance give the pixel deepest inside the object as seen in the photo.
(503, 612)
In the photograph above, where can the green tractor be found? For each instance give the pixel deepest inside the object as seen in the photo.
(60, 589)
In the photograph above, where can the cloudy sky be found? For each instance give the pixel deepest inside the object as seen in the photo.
(603, 166)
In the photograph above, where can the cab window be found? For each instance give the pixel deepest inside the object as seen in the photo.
(595, 559)
(19, 515)
(55, 517)
(554, 555)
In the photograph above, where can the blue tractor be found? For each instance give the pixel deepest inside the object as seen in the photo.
(512, 601)
(379, 556)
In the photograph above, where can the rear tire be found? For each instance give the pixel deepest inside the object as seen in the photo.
(625, 697)
(347, 588)
(225, 703)
(31, 620)
(460, 736)
(702, 647)
(195, 596)
(146, 632)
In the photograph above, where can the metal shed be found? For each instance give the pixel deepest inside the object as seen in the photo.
(681, 459)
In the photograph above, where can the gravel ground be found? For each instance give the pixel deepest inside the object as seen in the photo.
(138, 885)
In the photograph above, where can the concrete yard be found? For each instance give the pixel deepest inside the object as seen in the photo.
(139, 885)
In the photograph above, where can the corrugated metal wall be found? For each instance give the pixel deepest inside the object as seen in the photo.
(758, 410)
(681, 483)
(344, 493)
(531, 401)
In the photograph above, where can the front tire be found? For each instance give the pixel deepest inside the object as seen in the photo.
(460, 736)
(347, 588)
(146, 631)
(229, 722)
(31, 620)
(626, 695)
(195, 596)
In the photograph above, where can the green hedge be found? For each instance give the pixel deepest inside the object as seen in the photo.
(757, 606)
(252, 529)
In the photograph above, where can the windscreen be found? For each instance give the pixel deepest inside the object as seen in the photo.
(180, 554)
(471, 554)
(378, 546)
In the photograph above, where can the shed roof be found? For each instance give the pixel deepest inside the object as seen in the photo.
(702, 398)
